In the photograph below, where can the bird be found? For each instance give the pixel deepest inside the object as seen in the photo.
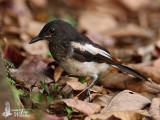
(77, 54)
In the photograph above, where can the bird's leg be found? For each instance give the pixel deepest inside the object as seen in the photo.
(87, 93)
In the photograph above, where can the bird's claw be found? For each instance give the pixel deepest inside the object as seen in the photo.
(87, 94)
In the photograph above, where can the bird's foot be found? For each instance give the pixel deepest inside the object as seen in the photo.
(87, 94)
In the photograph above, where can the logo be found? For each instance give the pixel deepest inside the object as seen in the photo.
(16, 112)
(7, 110)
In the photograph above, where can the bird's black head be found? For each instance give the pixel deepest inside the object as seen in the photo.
(55, 29)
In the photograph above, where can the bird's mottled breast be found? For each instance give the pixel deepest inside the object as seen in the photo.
(60, 51)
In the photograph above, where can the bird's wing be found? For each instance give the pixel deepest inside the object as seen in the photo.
(87, 52)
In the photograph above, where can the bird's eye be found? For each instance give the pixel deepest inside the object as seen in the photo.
(52, 30)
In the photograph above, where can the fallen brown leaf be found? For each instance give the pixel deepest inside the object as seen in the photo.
(122, 100)
(44, 116)
(39, 4)
(57, 73)
(114, 80)
(100, 39)
(12, 30)
(122, 115)
(148, 71)
(31, 71)
(155, 108)
(13, 56)
(156, 63)
(76, 4)
(81, 106)
(75, 84)
(150, 96)
(34, 28)
(40, 48)
(123, 81)
(135, 5)
(130, 30)
(97, 89)
(92, 21)
(113, 118)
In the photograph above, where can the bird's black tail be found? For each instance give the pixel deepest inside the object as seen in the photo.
(130, 71)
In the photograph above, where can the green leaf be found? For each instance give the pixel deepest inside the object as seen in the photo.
(69, 111)
(11, 81)
(82, 79)
(44, 87)
(70, 20)
(143, 118)
(59, 97)
(37, 97)
(30, 110)
(55, 87)
(48, 54)
(51, 18)
(16, 93)
(50, 99)
(110, 71)
(10, 64)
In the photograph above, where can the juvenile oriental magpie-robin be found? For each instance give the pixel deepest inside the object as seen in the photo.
(76, 53)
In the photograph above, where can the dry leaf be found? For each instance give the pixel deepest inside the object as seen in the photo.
(130, 30)
(57, 73)
(148, 71)
(42, 115)
(81, 106)
(31, 71)
(13, 56)
(76, 85)
(92, 21)
(156, 63)
(84, 107)
(66, 89)
(104, 100)
(123, 115)
(39, 48)
(34, 27)
(123, 81)
(40, 3)
(125, 54)
(100, 39)
(126, 38)
(135, 5)
(155, 108)
(12, 30)
(122, 100)
(76, 4)
(111, 8)
(114, 80)
(24, 17)
(150, 96)
(97, 88)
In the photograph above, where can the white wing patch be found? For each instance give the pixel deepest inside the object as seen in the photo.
(104, 53)
(91, 49)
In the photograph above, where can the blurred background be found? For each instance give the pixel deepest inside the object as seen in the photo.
(129, 29)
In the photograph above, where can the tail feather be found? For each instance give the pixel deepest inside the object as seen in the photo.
(131, 71)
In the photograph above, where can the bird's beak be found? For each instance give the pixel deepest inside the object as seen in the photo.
(35, 40)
